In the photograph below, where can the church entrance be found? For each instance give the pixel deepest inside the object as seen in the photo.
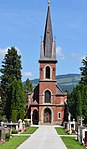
(47, 115)
(35, 117)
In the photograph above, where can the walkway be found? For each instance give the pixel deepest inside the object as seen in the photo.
(45, 137)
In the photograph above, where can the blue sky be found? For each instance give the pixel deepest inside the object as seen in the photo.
(22, 24)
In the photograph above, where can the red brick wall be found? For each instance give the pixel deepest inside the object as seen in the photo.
(54, 114)
(42, 68)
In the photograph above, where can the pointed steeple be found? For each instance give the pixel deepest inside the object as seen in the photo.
(48, 36)
(48, 50)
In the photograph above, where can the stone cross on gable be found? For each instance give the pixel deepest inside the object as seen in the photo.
(81, 121)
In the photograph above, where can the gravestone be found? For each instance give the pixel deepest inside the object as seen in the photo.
(82, 134)
(20, 125)
(3, 131)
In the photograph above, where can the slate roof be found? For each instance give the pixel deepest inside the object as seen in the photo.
(59, 91)
(48, 50)
(48, 36)
(34, 103)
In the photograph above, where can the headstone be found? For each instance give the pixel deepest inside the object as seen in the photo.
(82, 135)
(2, 124)
(4, 131)
(20, 125)
(23, 125)
(69, 117)
(81, 121)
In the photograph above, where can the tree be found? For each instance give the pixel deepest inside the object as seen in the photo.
(79, 103)
(84, 71)
(28, 86)
(11, 69)
(17, 99)
(78, 98)
(14, 116)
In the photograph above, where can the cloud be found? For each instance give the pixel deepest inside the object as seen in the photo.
(28, 74)
(3, 51)
(60, 53)
(77, 56)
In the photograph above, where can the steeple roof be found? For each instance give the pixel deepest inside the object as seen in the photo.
(48, 48)
(48, 36)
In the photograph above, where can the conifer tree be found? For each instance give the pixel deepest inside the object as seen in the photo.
(28, 86)
(17, 99)
(11, 69)
(84, 71)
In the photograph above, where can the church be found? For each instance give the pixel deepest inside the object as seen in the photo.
(47, 103)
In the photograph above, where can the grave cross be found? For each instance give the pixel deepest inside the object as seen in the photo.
(81, 121)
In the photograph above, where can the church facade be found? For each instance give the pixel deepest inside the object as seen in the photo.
(47, 102)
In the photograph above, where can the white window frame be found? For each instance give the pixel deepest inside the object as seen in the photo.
(50, 72)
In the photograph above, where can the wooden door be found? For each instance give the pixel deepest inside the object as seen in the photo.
(47, 116)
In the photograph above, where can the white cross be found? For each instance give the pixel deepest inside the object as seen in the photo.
(81, 120)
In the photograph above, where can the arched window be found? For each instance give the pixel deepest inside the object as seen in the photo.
(47, 96)
(59, 115)
(47, 72)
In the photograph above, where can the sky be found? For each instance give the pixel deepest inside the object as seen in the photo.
(22, 24)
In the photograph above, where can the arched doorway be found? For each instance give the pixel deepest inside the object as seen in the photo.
(47, 115)
(35, 117)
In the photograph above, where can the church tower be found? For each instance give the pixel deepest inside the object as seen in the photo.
(47, 102)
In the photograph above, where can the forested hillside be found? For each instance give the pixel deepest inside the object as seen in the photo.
(66, 82)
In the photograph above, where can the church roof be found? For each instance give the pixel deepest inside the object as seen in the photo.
(59, 91)
(48, 36)
(35, 103)
(48, 49)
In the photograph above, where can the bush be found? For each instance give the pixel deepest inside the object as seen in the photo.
(73, 131)
(7, 136)
(14, 131)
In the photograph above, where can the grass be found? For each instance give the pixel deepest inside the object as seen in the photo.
(60, 131)
(14, 142)
(30, 130)
(70, 142)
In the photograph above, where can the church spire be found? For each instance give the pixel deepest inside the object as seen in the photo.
(48, 2)
(48, 51)
(48, 36)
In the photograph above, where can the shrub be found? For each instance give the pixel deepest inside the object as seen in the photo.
(7, 136)
(73, 131)
(14, 131)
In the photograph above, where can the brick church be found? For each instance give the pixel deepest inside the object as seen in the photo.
(47, 103)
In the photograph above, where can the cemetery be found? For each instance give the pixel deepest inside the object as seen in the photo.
(79, 131)
(46, 104)
(7, 129)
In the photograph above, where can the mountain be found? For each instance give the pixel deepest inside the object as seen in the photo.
(65, 82)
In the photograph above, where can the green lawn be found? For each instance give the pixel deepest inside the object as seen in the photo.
(60, 131)
(30, 130)
(70, 142)
(14, 142)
